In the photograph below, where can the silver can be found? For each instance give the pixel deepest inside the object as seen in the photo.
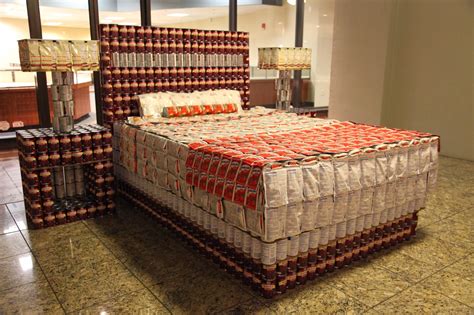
(71, 189)
(57, 78)
(132, 60)
(58, 176)
(140, 60)
(148, 60)
(80, 189)
(66, 124)
(59, 191)
(123, 59)
(55, 92)
(68, 108)
(69, 174)
(58, 108)
(65, 92)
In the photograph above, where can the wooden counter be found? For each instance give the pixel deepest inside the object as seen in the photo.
(19, 103)
(262, 91)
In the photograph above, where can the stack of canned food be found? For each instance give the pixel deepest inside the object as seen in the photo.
(59, 174)
(282, 197)
(137, 60)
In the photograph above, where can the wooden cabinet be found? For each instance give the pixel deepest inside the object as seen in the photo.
(19, 103)
(262, 91)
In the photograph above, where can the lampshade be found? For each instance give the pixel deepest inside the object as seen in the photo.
(284, 58)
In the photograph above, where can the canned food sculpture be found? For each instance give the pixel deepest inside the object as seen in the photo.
(66, 177)
(136, 60)
(275, 198)
(284, 60)
(61, 57)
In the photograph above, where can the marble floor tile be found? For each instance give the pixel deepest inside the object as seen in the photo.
(11, 195)
(456, 281)
(12, 244)
(369, 283)
(16, 207)
(451, 231)
(406, 267)
(7, 225)
(18, 270)
(154, 265)
(252, 306)
(50, 237)
(420, 300)
(31, 298)
(463, 268)
(20, 219)
(434, 251)
(78, 295)
(121, 222)
(4, 213)
(317, 298)
(210, 291)
(82, 260)
(465, 218)
(139, 302)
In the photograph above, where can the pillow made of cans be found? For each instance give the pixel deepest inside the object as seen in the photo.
(194, 110)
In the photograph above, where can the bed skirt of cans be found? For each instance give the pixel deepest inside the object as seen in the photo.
(287, 272)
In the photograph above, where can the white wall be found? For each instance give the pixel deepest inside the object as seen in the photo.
(361, 30)
(280, 31)
(429, 81)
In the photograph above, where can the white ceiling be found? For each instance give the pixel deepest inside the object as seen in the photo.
(80, 18)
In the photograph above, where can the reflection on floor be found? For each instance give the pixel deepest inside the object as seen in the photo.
(127, 264)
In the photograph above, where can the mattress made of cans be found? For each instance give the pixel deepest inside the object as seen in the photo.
(277, 175)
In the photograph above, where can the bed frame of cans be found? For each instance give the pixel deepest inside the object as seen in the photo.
(66, 176)
(295, 267)
(136, 60)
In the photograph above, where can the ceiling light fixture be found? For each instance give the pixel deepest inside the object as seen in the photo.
(177, 14)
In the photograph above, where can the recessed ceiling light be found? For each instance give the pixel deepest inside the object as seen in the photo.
(325, 15)
(177, 14)
(317, 26)
(53, 23)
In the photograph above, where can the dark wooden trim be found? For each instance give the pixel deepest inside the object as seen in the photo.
(42, 102)
(145, 12)
(298, 43)
(233, 15)
(94, 26)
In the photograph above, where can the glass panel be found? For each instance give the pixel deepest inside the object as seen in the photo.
(318, 35)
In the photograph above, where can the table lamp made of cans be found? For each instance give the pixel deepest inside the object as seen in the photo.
(61, 57)
(284, 59)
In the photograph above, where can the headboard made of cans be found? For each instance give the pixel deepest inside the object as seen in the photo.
(136, 60)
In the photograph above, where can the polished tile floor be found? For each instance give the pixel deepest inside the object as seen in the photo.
(128, 264)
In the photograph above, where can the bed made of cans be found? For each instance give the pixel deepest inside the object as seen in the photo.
(66, 177)
(279, 175)
(269, 268)
(137, 60)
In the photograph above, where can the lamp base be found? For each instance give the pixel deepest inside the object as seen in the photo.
(283, 88)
